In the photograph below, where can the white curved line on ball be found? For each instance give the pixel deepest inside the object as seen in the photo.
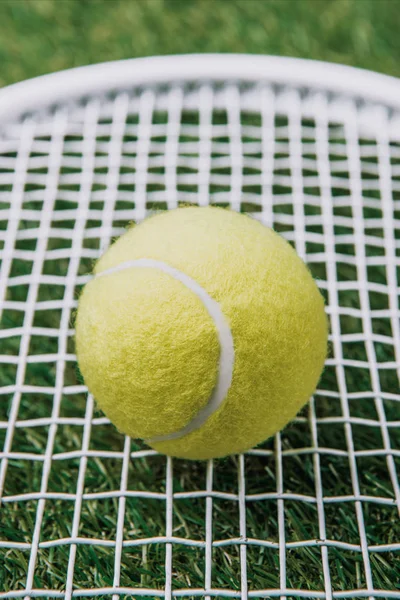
(227, 351)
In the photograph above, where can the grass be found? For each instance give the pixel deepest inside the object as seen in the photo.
(43, 36)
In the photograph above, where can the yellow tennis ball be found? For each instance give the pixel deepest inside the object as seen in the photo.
(202, 332)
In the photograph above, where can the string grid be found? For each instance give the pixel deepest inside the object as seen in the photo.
(87, 512)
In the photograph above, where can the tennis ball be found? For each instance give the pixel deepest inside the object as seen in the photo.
(202, 332)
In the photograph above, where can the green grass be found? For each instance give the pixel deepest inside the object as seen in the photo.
(41, 36)
(38, 37)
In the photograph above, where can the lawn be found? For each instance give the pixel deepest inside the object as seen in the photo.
(280, 504)
(41, 36)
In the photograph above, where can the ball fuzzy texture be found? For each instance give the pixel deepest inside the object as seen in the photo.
(202, 332)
